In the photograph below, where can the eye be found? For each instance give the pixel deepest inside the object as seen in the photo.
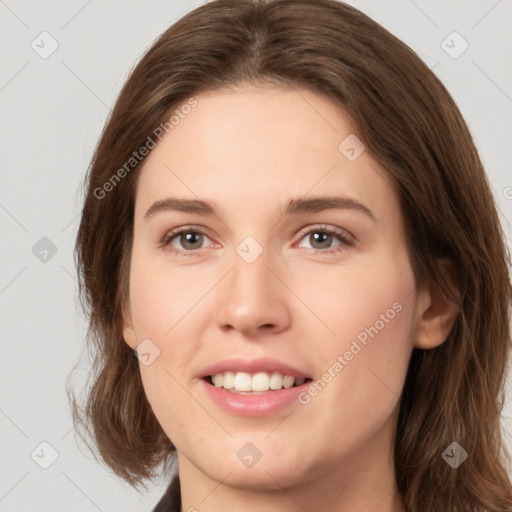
(185, 240)
(322, 238)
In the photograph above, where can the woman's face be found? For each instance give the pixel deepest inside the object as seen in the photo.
(292, 262)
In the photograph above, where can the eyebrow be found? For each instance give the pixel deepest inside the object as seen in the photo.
(295, 206)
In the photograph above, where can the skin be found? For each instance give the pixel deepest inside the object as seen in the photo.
(249, 151)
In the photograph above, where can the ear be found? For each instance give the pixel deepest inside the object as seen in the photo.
(128, 330)
(436, 312)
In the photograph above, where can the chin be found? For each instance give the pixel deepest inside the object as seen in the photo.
(256, 478)
(272, 471)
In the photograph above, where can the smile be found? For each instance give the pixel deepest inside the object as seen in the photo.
(260, 382)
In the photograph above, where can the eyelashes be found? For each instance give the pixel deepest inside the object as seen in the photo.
(333, 234)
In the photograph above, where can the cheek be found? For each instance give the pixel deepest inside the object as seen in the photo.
(375, 318)
(364, 364)
(164, 306)
(370, 306)
(161, 297)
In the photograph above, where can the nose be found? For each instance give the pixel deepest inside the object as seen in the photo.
(253, 299)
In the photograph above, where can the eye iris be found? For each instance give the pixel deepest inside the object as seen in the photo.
(189, 239)
(324, 239)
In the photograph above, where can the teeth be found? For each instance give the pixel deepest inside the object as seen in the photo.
(276, 381)
(288, 382)
(218, 380)
(228, 381)
(243, 382)
(261, 381)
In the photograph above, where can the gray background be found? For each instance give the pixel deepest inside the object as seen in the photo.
(52, 113)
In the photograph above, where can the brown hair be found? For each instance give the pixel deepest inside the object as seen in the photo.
(411, 125)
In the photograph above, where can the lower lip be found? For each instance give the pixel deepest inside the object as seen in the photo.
(263, 404)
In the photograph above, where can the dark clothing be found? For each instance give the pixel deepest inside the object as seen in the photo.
(171, 500)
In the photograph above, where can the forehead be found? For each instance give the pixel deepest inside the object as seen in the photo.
(259, 146)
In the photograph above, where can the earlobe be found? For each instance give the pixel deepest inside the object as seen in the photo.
(128, 330)
(437, 312)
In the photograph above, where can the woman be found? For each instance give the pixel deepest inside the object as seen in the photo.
(289, 225)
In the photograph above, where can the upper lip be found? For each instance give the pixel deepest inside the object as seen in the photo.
(262, 364)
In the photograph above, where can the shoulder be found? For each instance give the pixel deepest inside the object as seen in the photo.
(171, 500)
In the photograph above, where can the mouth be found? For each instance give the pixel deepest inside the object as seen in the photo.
(253, 387)
(254, 383)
